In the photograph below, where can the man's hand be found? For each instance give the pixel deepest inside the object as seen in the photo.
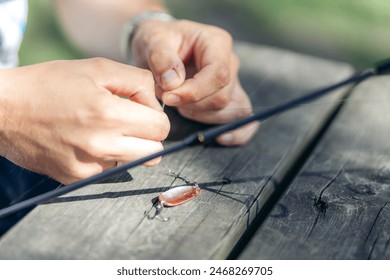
(67, 120)
(196, 71)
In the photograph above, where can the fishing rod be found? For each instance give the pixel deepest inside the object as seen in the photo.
(198, 138)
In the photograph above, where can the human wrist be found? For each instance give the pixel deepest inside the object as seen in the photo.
(131, 26)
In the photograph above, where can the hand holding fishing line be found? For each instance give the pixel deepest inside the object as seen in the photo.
(196, 71)
(82, 127)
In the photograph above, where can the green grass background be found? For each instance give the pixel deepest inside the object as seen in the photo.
(355, 31)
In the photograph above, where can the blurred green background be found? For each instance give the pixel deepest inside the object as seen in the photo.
(354, 31)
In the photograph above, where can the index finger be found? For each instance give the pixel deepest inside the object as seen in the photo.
(124, 80)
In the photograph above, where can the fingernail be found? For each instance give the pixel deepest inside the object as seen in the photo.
(169, 79)
(171, 99)
(226, 139)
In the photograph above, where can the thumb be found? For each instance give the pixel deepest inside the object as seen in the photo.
(167, 67)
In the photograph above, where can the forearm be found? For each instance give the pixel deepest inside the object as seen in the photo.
(4, 110)
(94, 25)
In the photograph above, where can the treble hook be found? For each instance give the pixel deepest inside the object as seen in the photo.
(158, 205)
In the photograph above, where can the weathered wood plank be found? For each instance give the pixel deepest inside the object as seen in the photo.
(106, 221)
(338, 206)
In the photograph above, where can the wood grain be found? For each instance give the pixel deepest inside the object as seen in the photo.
(106, 221)
(338, 206)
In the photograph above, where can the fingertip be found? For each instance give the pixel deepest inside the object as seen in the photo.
(169, 80)
(129, 149)
(152, 162)
(142, 98)
(239, 136)
(167, 67)
(226, 139)
(171, 99)
(155, 104)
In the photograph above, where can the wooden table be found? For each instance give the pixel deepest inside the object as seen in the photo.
(312, 184)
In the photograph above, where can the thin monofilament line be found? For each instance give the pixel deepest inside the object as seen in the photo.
(310, 104)
(200, 137)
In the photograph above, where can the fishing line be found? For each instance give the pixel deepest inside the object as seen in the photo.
(197, 138)
(310, 104)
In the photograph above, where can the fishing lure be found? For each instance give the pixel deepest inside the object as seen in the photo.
(174, 196)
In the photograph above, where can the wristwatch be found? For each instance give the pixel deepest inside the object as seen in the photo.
(129, 27)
